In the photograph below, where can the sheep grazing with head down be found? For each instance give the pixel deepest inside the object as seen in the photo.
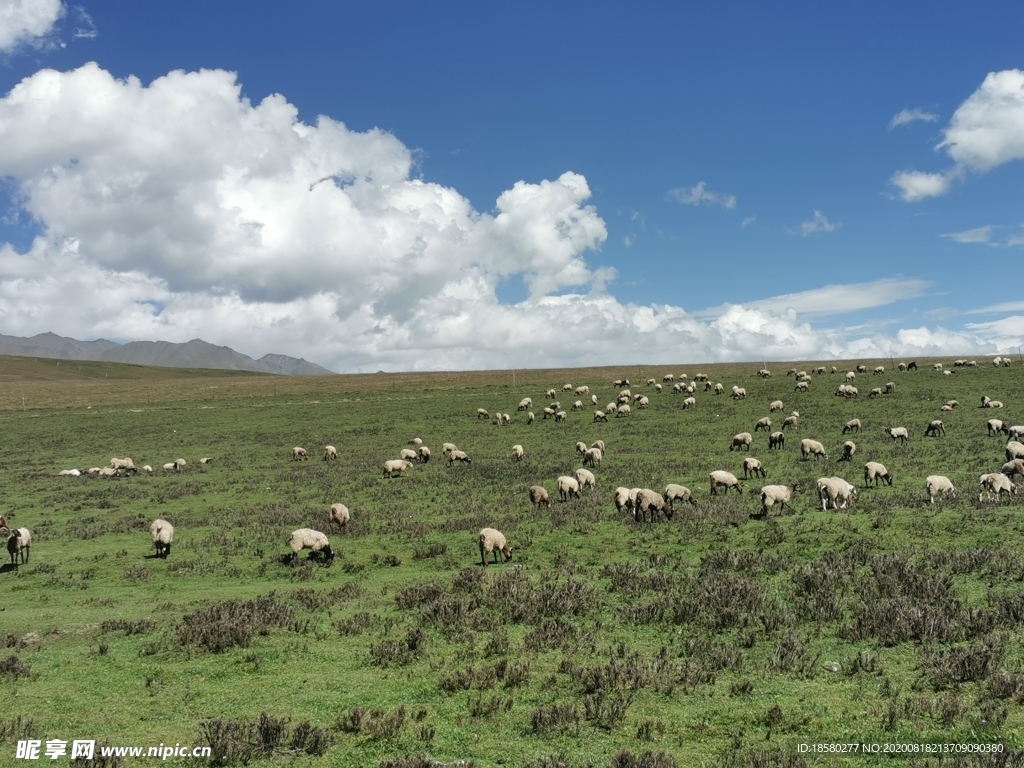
(162, 534)
(315, 541)
(810, 448)
(299, 454)
(592, 457)
(394, 467)
(483, 413)
(492, 542)
(833, 490)
(423, 454)
(777, 440)
(600, 416)
(568, 487)
(853, 425)
(517, 452)
(875, 471)
(898, 433)
(525, 404)
(939, 485)
(776, 405)
(649, 502)
(585, 478)
(934, 429)
(407, 454)
(538, 496)
(338, 516)
(777, 494)
(742, 440)
(722, 479)
(849, 448)
(330, 453)
(752, 468)
(460, 456)
(674, 493)
(995, 426)
(764, 424)
(18, 544)
(995, 484)
(1014, 450)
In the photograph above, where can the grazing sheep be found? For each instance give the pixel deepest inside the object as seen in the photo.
(561, 416)
(538, 496)
(577, 406)
(668, 377)
(1013, 468)
(832, 490)
(586, 478)
(459, 456)
(147, 468)
(648, 501)
(972, 363)
(568, 487)
(853, 425)
(777, 494)
(298, 454)
(525, 404)
(722, 479)
(581, 448)
(898, 433)
(878, 369)
(621, 498)
(689, 403)
(416, 441)
(339, 516)
(567, 387)
(3, 525)
(125, 465)
(764, 424)
(447, 448)
(936, 366)
(849, 448)
(408, 454)
(862, 369)
(939, 485)
(651, 382)
(738, 393)
(719, 388)
(775, 405)
(517, 452)
(808, 447)
(162, 534)
(584, 390)
(995, 426)
(752, 467)
(742, 440)
(209, 459)
(934, 429)
(1015, 432)
(592, 457)
(622, 410)
(890, 387)
(18, 545)
(483, 413)
(599, 444)
(994, 484)
(548, 412)
(71, 472)
(764, 373)
(876, 392)
(423, 454)
(315, 541)
(551, 394)
(875, 471)
(674, 493)
(492, 542)
(777, 440)
(657, 387)
(600, 416)
(802, 386)
(530, 418)
(169, 466)
(789, 421)
(1014, 450)
(834, 369)
(820, 370)
(912, 366)
(109, 472)
(643, 402)
(850, 376)
(506, 419)
(902, 366)
(181, 463)
(396, 466)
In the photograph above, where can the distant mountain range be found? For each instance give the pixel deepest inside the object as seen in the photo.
(192, 354)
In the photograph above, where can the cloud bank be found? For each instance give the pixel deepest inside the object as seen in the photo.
(27, 21)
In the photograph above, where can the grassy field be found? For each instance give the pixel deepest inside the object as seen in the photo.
(712, 639)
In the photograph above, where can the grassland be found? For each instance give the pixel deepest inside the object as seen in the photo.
(711, 639)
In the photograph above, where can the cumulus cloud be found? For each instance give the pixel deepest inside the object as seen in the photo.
(907, 116)
(25, 22)
(836, 299)
(915, 186)
(976, 235)
(995, 236)
(699, 194)
(818, 223)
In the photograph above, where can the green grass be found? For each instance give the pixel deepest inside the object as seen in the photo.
(710, 638)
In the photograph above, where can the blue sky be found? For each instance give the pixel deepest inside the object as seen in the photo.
(415, 186)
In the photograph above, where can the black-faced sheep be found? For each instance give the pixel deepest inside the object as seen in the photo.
(407, 454)
(600, 416)
(315, 541)
(492, 541)
(934, 429)
(833, 490)
(849, 448)
(330, 453)
(525, 404)
(483, 413)
(810, 448)
(162, 534)
(775, 405)
(853, 425)
(742, 440)
(777, 440)
(423, 454)
(517, 452)
(18, 544)
(752, 468)
(622, 410)
(876, 471)
(674, 493)
(538, 496)
(592, 457)
(722, 479)
(764, 424)
(568, 487)
(298, 454)
(339, 516)
(777, 494)
(460, 456)
(647, 502)
(994, 484)
(898, 433)
(937, 485)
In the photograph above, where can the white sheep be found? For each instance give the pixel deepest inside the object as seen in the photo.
(525, 404)
(1014, 450)
(517, 452)
(674, 493)
(622, 410)
(992, 404)
(586, 478)
(850, 376)
(568, 487)
(395, 466)
(668, 377)
(862, 369)
(584, 390)
(742, 440)
(1013, 468)
(460, 456)
(538, 496)
(764, 424)
(764, 373)
(169, 466)
(71, 472)
(898, 433)
(621, 498)
(147, 468)
(530, 418)
(802, 386)
(339, 516)
(890, 387)
(873, 470)
(407, 454)
(939, 485)
(492, 542)
(561, 416)
(777, 494)
(316, 542)
(833, 490)
(18, 545)
(548, 412)
(738, 393)
(658, 388)
(447, 448)
(483, 413)
(593, 399)
(567, 387)
(849, 448)
(809, 447)
(853, 425)
(125, 465)
(599, 444)
(506, 419)
(1015, 432)
(651, 382)
(878, 369)
(162, 535)
(775, 405)
(592, 457)
(689, 403)
(577, 406)
(719, 388)
(600, 416)
(648, 501)
(902, 366)
(110, 472)
(298, 454)
(643, 402)
(876, 392)
(995, 426)
(777, 440)
(934, 429)
(994, 484)
(423, 454)
(722, 479)
(752, 467)
(936, 366)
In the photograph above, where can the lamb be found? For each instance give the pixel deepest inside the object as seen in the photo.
(789, 421)
(396, 466)
(875, 471)
(209, 459)
(995, 484)
(423, 454)
(777, 494)
(1014, 450)
(689, 403)
(849, 448)
(621, 498)
(649, 501)
(18, 545)
(912, 366)
(738, 393)
(506, 419)
(561, 416)
(600, 416)
(878, 369)
(890, 387)
(995, 426)
(584, 390)
(517, 452)
(492, 541)
(674, 493)
(939, 485)
(610, 408)
(315, 541)
(483, 413)
(530, 418)
(834, 369)
(460, 456)
(578, 405)
(898, 433)
(902, 366)
(592, 457)
(992, 403)
(538, 496)
(568, 487)
(853, 425)
(876, 392)
(722, 479)
(298, 454)
(162, 534)
(622, 410)
(525, 404)
(934, 429)
(339, 516)
(719, 388)
(777, 440)
(447, 448)
(742, 440)
(832, 490)
(802, 386)
(407, 454)
(808, 447)
(764, 424)
(586, 478)
(753, 467)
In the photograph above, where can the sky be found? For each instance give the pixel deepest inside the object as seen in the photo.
(442, 186)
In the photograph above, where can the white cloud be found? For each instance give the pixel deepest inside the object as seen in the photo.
(907, 116)
(836, 299)
(976, 235)
(27, 21)
(995, 236)
(747, 222)
(915, 186)
(994, 309)
(698, 194)
(817, 224)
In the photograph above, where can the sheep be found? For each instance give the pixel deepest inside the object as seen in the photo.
(567, 387)
(850, 376)
(568, 487)
(657, 388)
(995, 484)
(947, 373)
(538, 496)
(3, 525)
(862, 369)
(832, 490)
(668, 377)
(775, 405)
(622, 410)
(764, 373)
(125, 465)
(162, 535)
(407, 454)
(777, 440)
(764, 424)
(396, 466)
(820, 370)
(674, 493)
(530, 418)
(742, 440)
(898, 433)
(946, 408)
(939, 484)
(651, 382)
(643, 402)
(109, 472)
(876, 392)
(1015, 432)
(934, 429)
(912, 366)
(492, 541)
(936, 366)
(447, 448)
(849, 448)
(777, 494)
(878, 369)
(808, 447)
(209, 459)
(610, 408)
(1014, 450)
(71, 472)
(181, 463)
(753, 467)
(853, 425)
(1013, 468)
(890, 387)
(599, 444)
(298, 454)
(875, 471)
(972, 363)
(561, 416)
(483, 413)
(423, 454)
(147, 468)
(517, 452)
(525, 404)
(621, 498)
(721, 478)
(506, 419)
(18, 545)
(988, 403)
(791, 372)
(577, 406)
(738, 393)
(548, 412)
(625, 395)
(338, 515)
(416, 441)
(584, 390)
(689, 403)
(592, 457)
(586, 478)
(902, 366)
(593, 399)
(650, 501)
(600, 416)
(459, 456)
(834, 369)
(995, 426)
(802, 386)
(169, 466)
(789, 421)
(719, 388)
(315, 541)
